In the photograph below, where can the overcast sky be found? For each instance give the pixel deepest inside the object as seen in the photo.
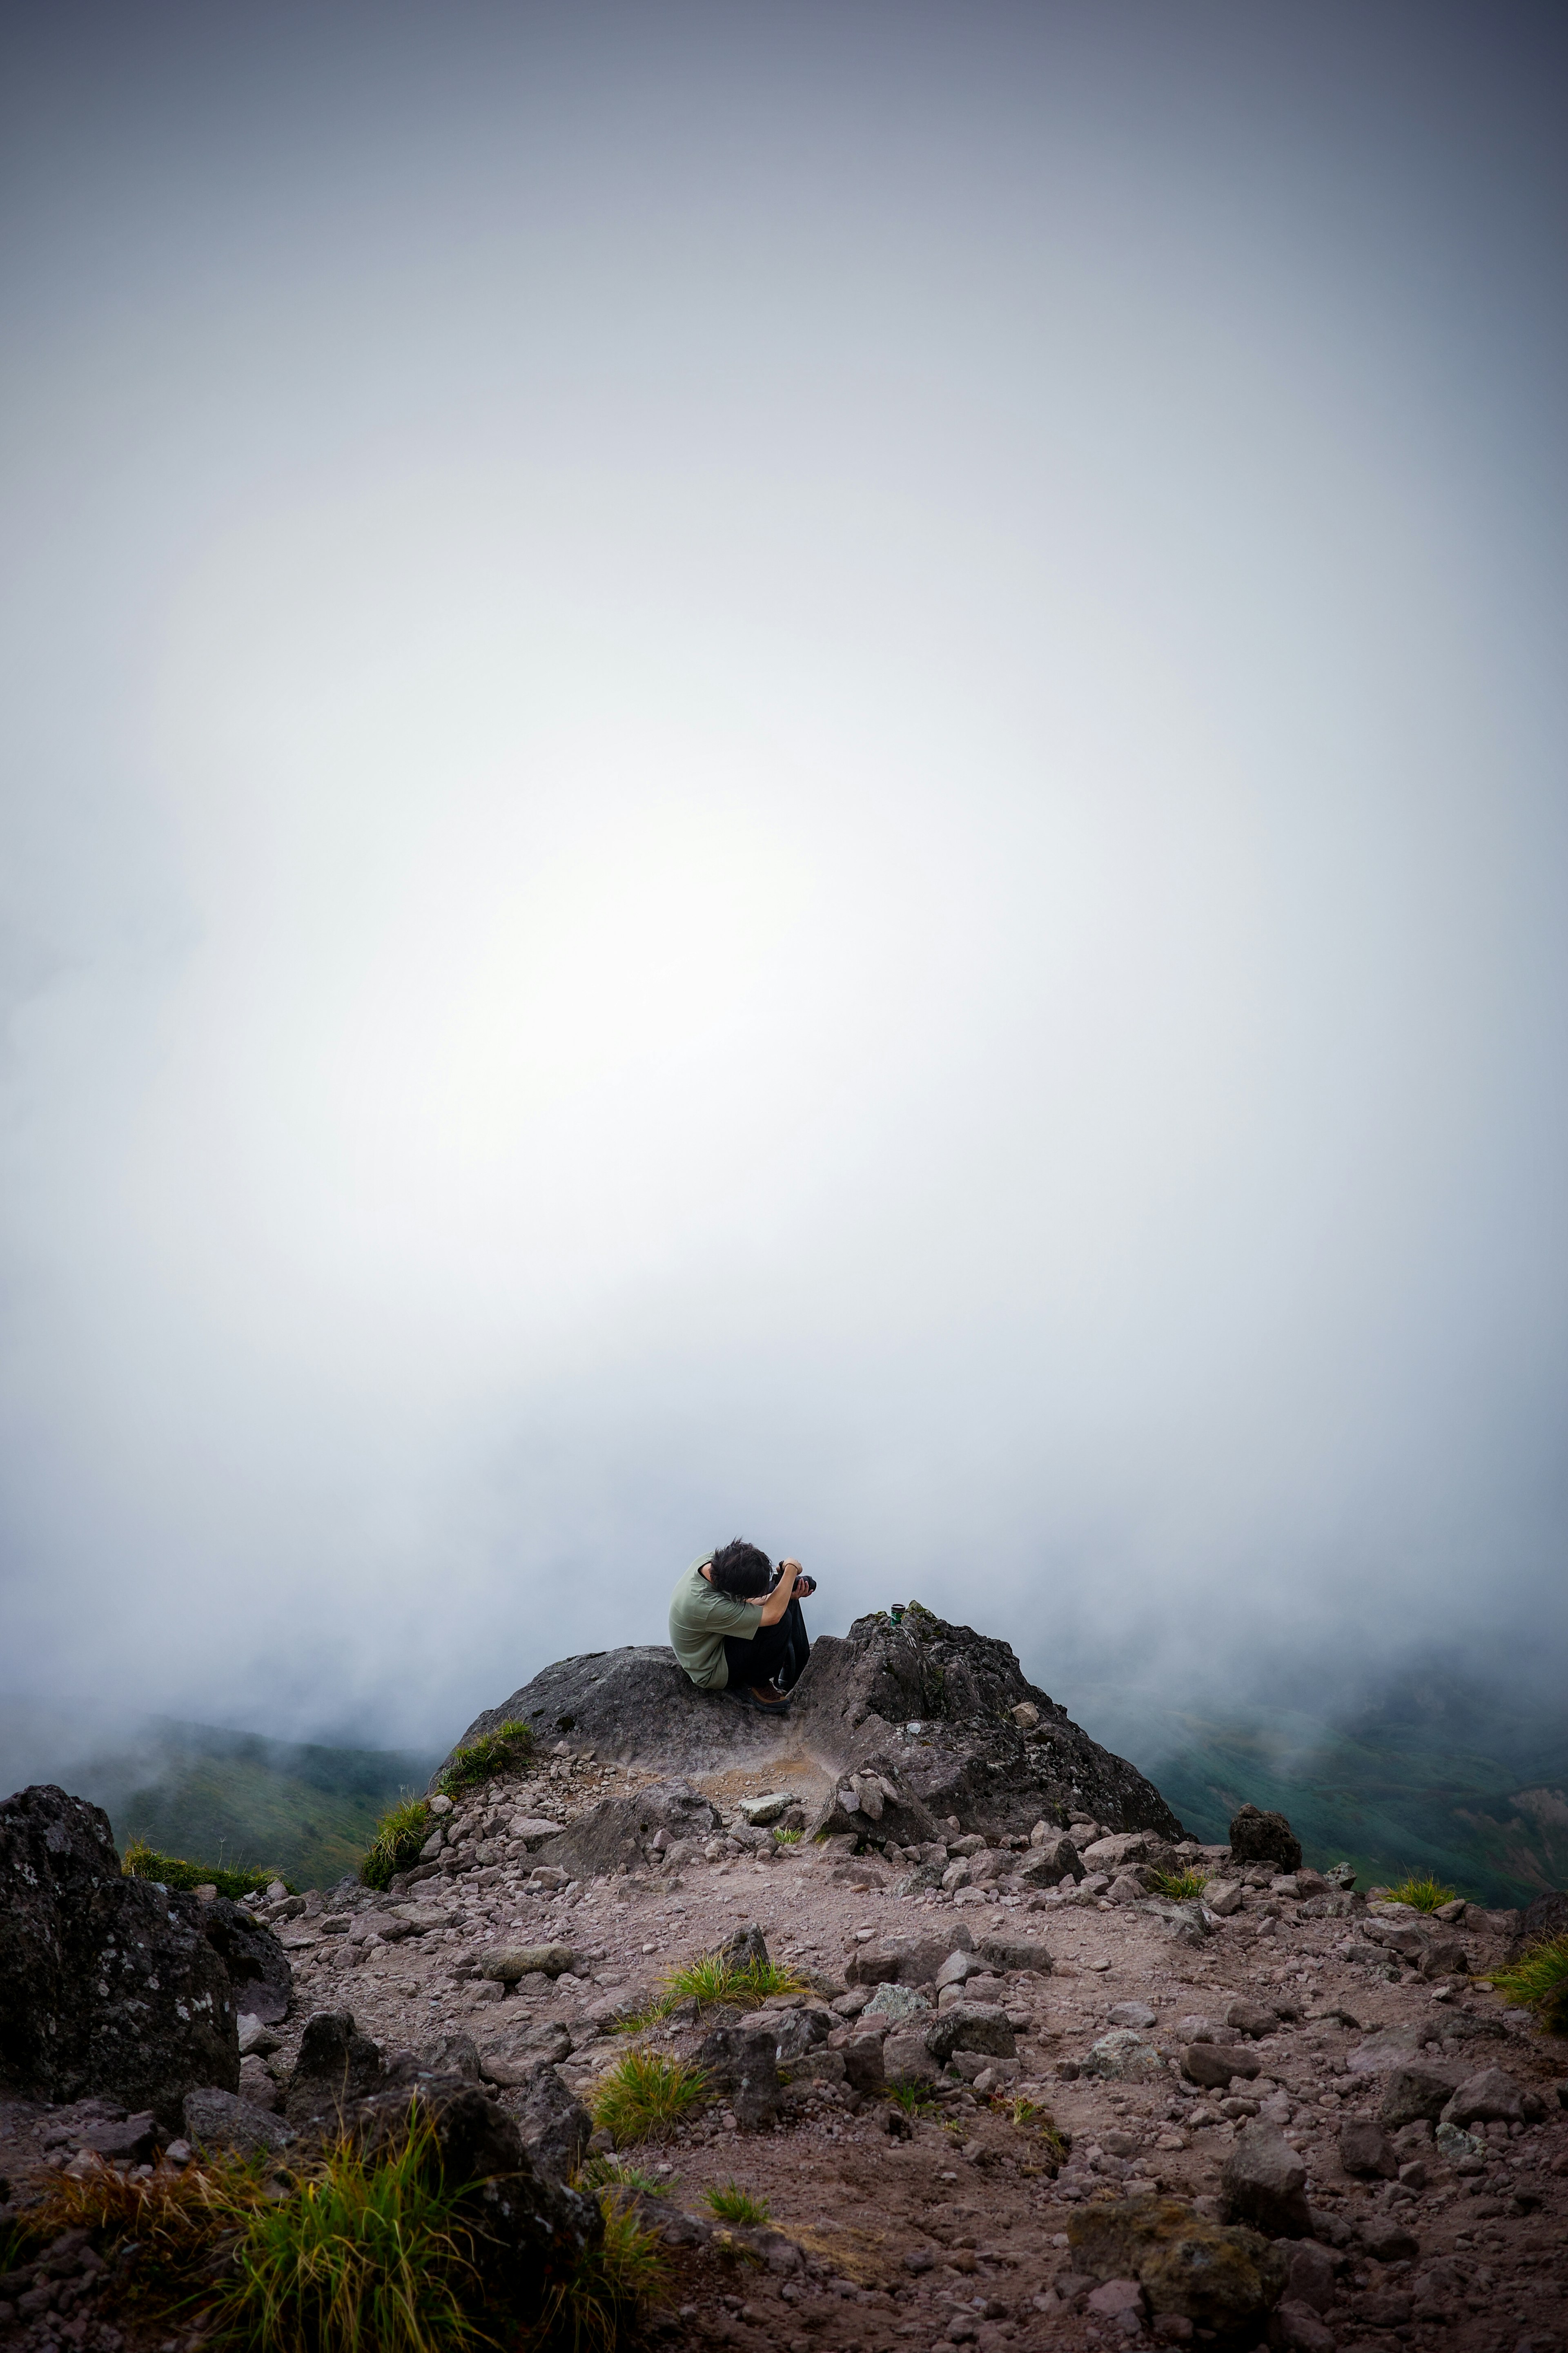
(794, 770)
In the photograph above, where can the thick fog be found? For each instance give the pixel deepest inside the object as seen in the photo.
(793, 772)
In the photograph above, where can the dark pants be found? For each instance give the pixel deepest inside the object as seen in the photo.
(775, 1653)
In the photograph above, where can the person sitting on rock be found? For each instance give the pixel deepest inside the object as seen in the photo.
(735, 1627)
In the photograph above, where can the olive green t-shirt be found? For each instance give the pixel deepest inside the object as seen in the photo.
(699, 1620)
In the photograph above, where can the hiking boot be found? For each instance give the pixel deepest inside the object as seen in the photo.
(765, 1698)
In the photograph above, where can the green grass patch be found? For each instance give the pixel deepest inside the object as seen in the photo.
(509, 1746)
(730, 2204)
(599, 2307)
(644, 2097)
(1422, 1894)
(713, 1978)
(399, 1835)
(907, 2091)
(608, 2172)
(788, 1838)
(360, 2254)
(1180, 1886)
(1037, 2122)
(141, 1861)
(1538, 1980)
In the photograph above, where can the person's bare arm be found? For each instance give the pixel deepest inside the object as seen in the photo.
(773, 1605)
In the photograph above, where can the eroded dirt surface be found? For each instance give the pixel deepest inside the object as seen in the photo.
(957, 2231)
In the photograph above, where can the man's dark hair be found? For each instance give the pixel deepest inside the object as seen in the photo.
(741, 1569)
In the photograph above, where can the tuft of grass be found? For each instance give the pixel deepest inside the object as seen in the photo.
(596, 2173)
(509, 1744)
(399, 1835)
(711, 1979)
(730, 2204)
(1422, 1894)
(174, 2219)
(599, 2307)
(1180, 1886)
(644, 2096)
(362, 2253)
(788, 1838)
(1030, 2117)
(907, 2091)
(714, 1978)
(141, 1861)
(1538, 1980)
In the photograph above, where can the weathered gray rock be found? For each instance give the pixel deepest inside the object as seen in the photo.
(972, 2026)
(1310, 2273)
(1004, 1952)
(509, 2056)
(113, 1984)
(217, 2120)
(1251, 2017)
(337, 2066)
(1421, 2089)
(970, 1756)
(909, 1960)
(1212, 2066)
(555, 2126)
(905, 2059)
(742, 2061)
(1365, 2148)
(1225, 2279)
(896, 2002)
(1263, 2182)
(1256, 1837)
(452, 2054)
(1124, 2055)
(507, 1963)
(1136, 2015)
(1296, 2326)
(620, 1830)
(1051, 1859)
(1491, 2097)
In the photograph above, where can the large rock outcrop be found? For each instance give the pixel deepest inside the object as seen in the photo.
(910, 1725)
(114, 1985)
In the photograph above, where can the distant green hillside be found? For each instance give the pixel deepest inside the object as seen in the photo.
(220, 1796)
(1435, 1775)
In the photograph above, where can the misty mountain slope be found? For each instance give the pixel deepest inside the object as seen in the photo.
(215, 1796)
(1435, 1775)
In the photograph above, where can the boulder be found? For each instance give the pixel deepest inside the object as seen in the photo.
(895, 2002)
(1310, 2275)
(925, 1709)
(1004, 1952)
(452, 2054)
(1051, 1859)
(1212, 2066)
(1223, 1897)
(741, 2062)
(620, 1830)
(909, 1960)
(1257, 1837)
(972, 2026)
(1263, 2182)
(555, 2126)
(1296, 2326)
(1443, 1956)
(905, 2058)
(113, 1987)
(1491, 2097)
(259, 1977)
(1419, 2089)
(216, 2120)
(337, 2066)
(1365, 2148)
(1124, 2056)
(865, 2064)
(1227, 2279)
(510, 2056)
(507, 1963)
(529, 2232)
(1253, 2018)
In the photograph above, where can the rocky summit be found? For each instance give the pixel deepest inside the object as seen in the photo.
(1039, 2072)
(900, 1725)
